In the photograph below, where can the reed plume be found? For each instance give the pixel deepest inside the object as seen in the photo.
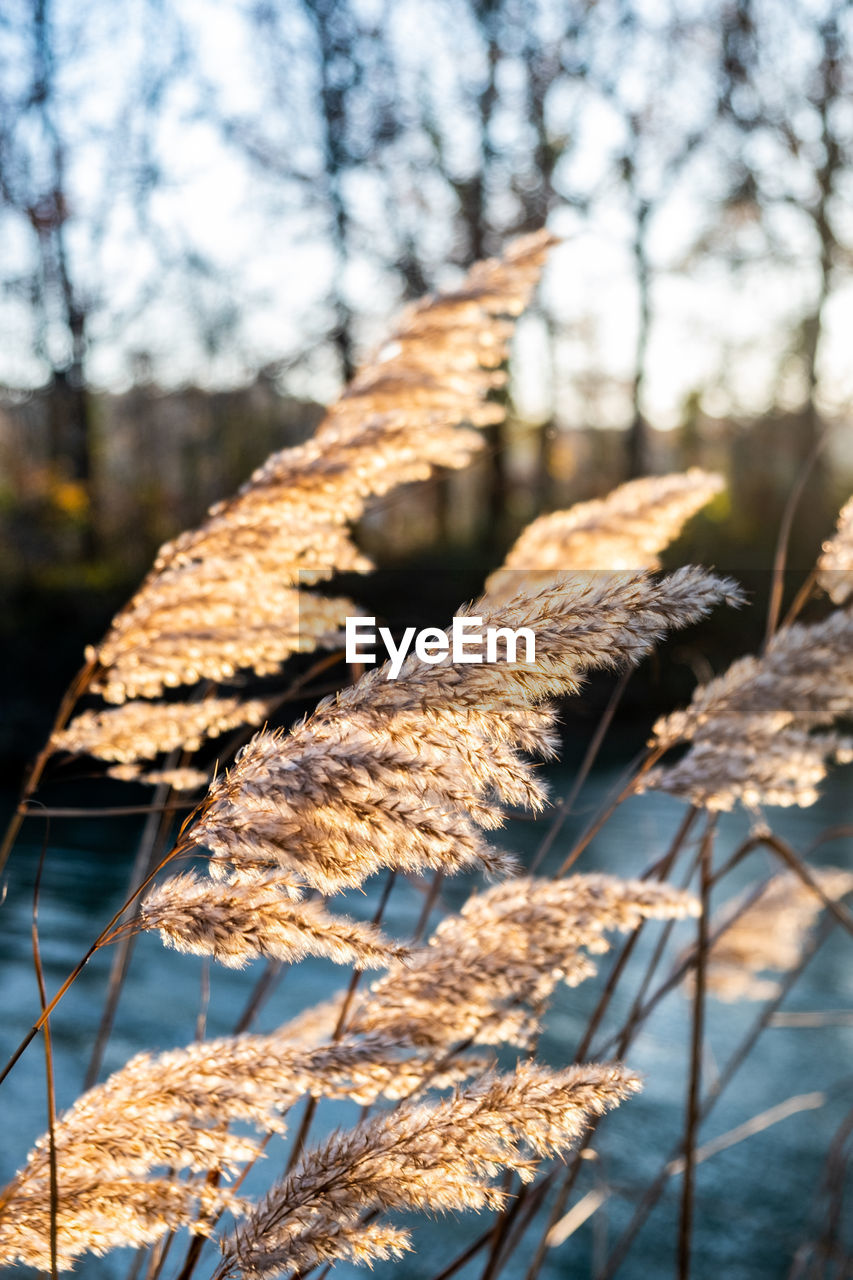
(229, 596)
(835, 563)
(431, 1157)
(407, 773)
(142, 730)
(764, 760)
(626, 530)
(181, 779)
(487, 970)
(600, 622)
(751, 730)
(769, 934)
(171, 1112)
(95, 1215)
(243, 917)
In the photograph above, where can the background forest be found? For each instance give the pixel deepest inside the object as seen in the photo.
(208, 212)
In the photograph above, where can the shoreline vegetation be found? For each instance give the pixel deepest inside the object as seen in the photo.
(400, 781)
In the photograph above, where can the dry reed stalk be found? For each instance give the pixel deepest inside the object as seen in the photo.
(142, 730)
(518, 1218)
(171, 1112)
(246, 916)
(50, 1075)
(715, 1091)
(180, 779)
(796, 957)
(228, 595)
(437, 1157)
(487, 971)
(697, 1048)
(78, 686)
(770, 934)
(626, 530)
(835, 563)
(406, 773)
(751, 730)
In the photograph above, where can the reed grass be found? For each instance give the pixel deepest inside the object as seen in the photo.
(408, 778)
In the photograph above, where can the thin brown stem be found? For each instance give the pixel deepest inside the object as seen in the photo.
(790, 858)
(801, 599)
(311, 1104)
(429, 902)
(780, 558)
(203, 1000)
(662, 869)
(103, 937)
(118, 811)
(620, 1043)
(515, 1220)
(196, 1245)
(758, 1123)
(262, 990)
(153, 838)
(297, 688)
(49, 1072)
(651, 758)
(565, 806)
(655, 1188)
(639, 1013)
(685, 1226)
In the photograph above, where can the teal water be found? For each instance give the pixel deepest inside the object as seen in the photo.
(756, 1203)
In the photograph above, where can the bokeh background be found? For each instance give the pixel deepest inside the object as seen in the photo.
(209, 212)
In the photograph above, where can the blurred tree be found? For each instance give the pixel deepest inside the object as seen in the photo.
(90, 244)
(34, 187)
(339, 71)
(648, 68)
(786, 78)
(486, 114)
(265, 187)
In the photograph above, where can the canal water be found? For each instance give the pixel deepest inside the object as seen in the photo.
(757, 1202)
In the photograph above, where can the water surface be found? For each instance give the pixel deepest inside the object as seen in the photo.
(756, 1203)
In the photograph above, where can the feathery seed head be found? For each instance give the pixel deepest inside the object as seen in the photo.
(752, 729)
(434, 1157)
(835, 563)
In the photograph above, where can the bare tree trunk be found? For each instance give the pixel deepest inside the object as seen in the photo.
(333, 24)
(638, 443)
(831, 91)
(70, 407)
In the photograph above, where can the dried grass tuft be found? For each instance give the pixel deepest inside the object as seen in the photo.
(835, 563)
(486, 971)
(236, 920)
(626, 530)
(769, 935)
(752, 730)
(230, 595)
(435, 1158)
